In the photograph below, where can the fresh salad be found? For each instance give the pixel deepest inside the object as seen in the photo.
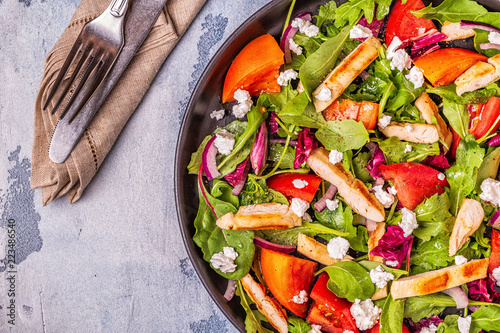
(352, 181)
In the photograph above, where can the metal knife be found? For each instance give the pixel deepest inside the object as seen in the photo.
(141, 16)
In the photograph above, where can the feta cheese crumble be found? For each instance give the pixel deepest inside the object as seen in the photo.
(224, 261)
(441, 176)
(490, 191)
(409, 128)
(301, 298)
(384, 121)
(431, 329)
(496, 275)
(244, 103)
(459, 260)
(337, 247)
(242, 95)
(286, 76)
(464, 324)
(392, 263)
(494, 37)
(217, 114)
(307, 217)
(332, 204)
(224, 142)
(380, 277)
(315, 329)
(365, 313)
(401, 60)
(306, 27)
(324, 94)
(299, 183)
(391, 49)
(386, 199)
(392, 190)
(335, 156)
(408, 149)
(416, 76)
(294, 47)
(359, 31)
(299, 206)
(408, 222)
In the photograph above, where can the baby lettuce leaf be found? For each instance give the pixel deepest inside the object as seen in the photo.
(349, 280)
(298, 325)
(326, 14)
(418, 307)
(274, 155)
(489, 168)
(394, 150)
(343, 135)
(450, 325)
(487, 317)
(479, 96)
(433, 217)
(455, 11)
(431, 255)
(257, 192)
(289, 236)
(405, 94)
(391, 318)
(457, 115)
(321, 62)
(462, 175)
(254, 317)
(299, 111)
(352, 10)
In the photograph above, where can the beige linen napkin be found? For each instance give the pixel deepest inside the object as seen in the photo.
(72, 176)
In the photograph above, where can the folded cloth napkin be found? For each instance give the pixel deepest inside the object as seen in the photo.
(72, 176)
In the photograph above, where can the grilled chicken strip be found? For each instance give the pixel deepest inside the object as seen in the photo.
(412, 132)
(316, 251)
(429, 109)
(479, 75)
(469, 218)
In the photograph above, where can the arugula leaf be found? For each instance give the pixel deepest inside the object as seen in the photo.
(298, 325)
(326, 14)
(391, 318)
(405, 94)
(310, 44)
(254, 317)
(257, 192)
(458, 116)
(349, 280)
(487, 317)
(279, 100)
(418, 307)
(488, 169)
(479, 96)
(431, 255)
(343, 135)
(359, 163)
(289, 236)
(320, 63)
(352, 10)
(450, 325)
(299, 111)
(433, 217)
(454, 11)
(462, 175)
(274, 155)
(394, 150)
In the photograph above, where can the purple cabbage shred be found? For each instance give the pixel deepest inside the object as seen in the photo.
(439, 162)
(241, 171)
(377, 159)
(271, 123)
(393, 246)
(305, 144)
(423, 323)
(375, 26)
(483, 290)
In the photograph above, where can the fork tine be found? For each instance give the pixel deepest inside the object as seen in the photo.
(85, 56)
(81, 82)
(75, 49)
(100, 72)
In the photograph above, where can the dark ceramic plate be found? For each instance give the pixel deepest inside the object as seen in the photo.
(197, 124)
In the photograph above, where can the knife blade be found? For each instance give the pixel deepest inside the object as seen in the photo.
(140, 19)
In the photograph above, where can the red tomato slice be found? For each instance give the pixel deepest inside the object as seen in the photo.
(286, 276)
(329, 311)
(403, 23)
(290, 185)
(485, 118)
(495, 251)
(414, 182)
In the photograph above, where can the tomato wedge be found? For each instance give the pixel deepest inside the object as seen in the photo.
(403, 23)
(485, 118)
(286, 277)
(329, 311)
(295, 185)
(255, 69)
(365, 112)
(495, 251)
(414, 182)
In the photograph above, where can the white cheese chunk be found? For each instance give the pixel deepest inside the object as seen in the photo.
(464, 324)
(359, 31)
(416, 76)
(335, 156)
(391, 49)
(224, 142)
(306, 27)
(337, 247)
(441, 176)
(294, 47)
(392, 190)
(244, 103)
(459, 260)
(365, 313)
(299, 183)
(332, 204)
(286, 76)
(431, 329)
(490, 191)
(408, 148)
(386, 199)
(401, 60)
(217, 114)
(392, 263)
(380, 277)
(301, 298)
(315, 329)
(324, 94)
(299, 206)
(384, 121)
(496, 275)
(408, 222)
(494, 37)
(224, 261)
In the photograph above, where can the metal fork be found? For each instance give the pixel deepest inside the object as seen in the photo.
(94, 53)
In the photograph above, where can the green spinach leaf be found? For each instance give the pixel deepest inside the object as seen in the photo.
(298, 325)
(350, 280)
(343, 135)
(458, 116)
(391, 318)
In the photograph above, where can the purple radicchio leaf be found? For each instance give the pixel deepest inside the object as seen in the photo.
(305, 144)
(439, 162)
(238, 177)
(377, 159)
(393, 246)
(271, 123)
(423, 323)
(483, 290)
(258, 155)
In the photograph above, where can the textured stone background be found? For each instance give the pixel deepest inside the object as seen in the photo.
(114, 261)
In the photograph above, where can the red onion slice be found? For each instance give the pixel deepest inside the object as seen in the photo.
(495, 219)
(260, 242)
(477, 25)
(230, 290)
(320, 205)
(289, 33)
(487, 46)
(208, 160)
(423, 51)
(459, 296)
(241, 183)
(428, 40)
(494, 141)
